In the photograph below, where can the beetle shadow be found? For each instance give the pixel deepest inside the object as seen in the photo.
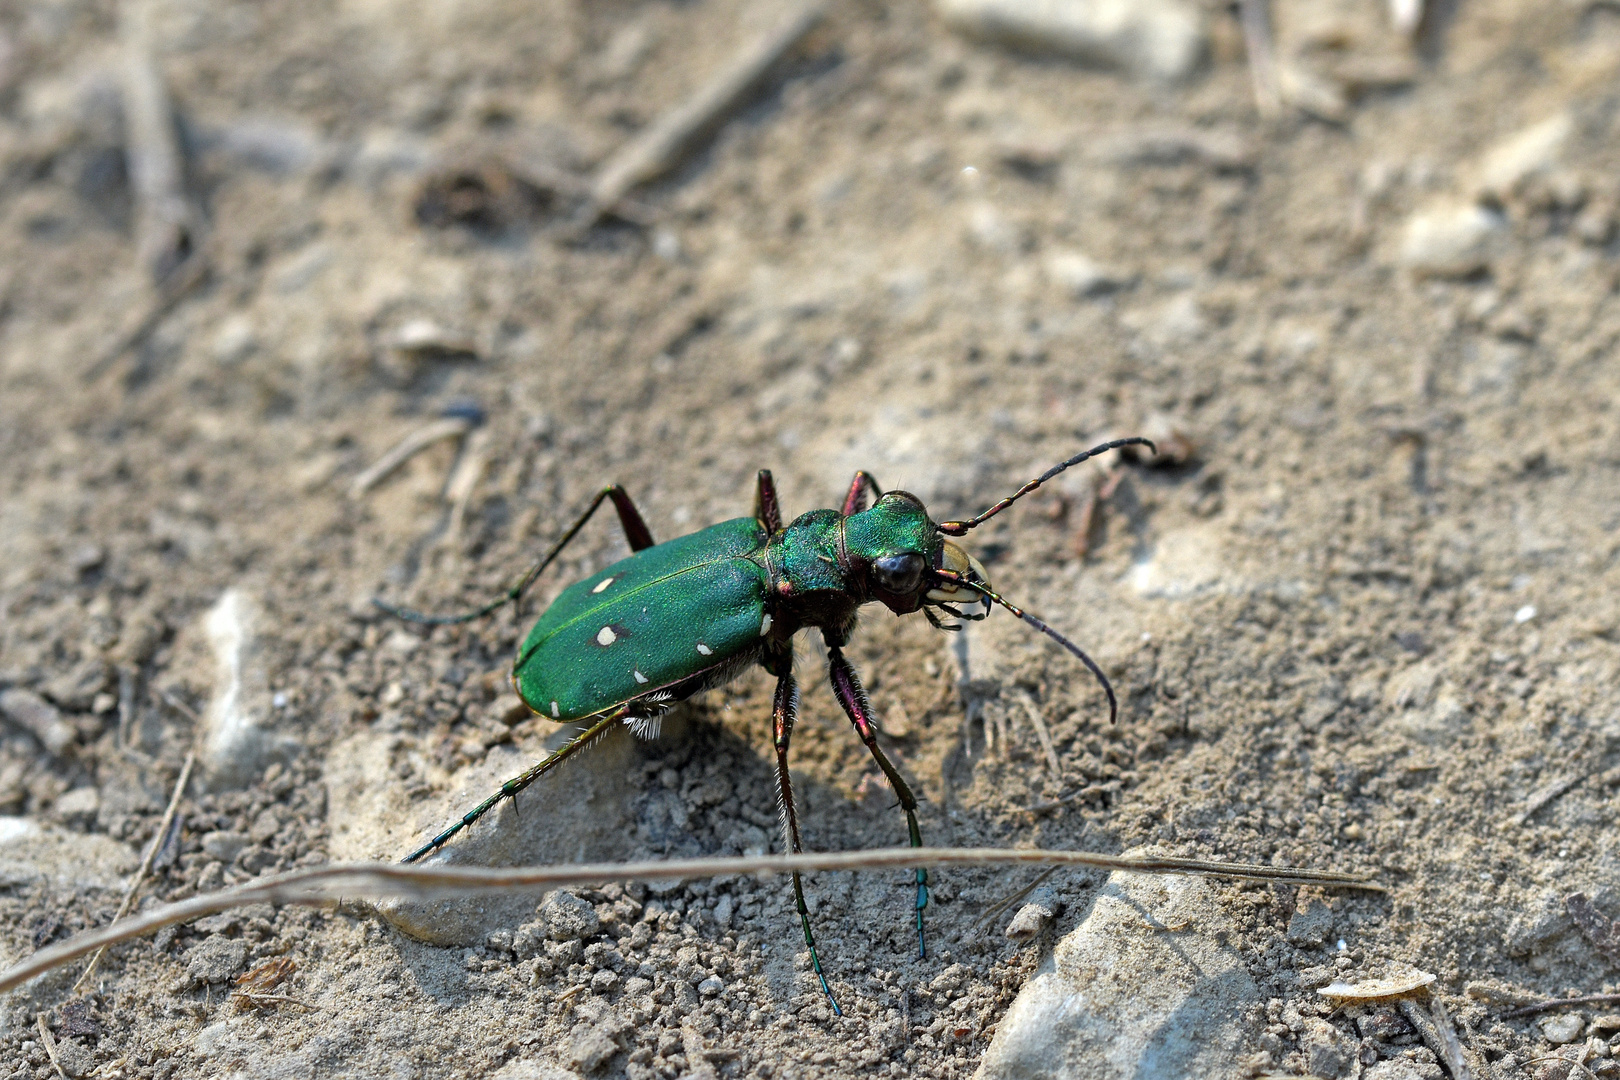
(706, 786)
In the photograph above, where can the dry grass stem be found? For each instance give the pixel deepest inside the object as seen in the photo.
(1427, 1025)
(328, 884)
(1045, 737)
(49, 1042)
(146, 861)
(1006, 902)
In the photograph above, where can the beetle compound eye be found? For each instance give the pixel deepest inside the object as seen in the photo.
(899, 573)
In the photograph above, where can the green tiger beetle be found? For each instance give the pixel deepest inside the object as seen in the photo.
(674, 619)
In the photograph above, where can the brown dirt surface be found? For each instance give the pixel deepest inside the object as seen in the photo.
(1370, 623)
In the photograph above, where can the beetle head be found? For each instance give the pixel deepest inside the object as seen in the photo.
(902, 554)
(910, 565)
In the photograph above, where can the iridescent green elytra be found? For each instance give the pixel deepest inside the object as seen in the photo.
(677, 618)
(646, 623)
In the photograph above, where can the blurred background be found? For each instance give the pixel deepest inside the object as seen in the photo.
(301, 303)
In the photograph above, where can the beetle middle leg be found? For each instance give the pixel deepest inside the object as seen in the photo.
(767, 508)
(855, 500)
(785, 710)
(523, 779)
(847, 689)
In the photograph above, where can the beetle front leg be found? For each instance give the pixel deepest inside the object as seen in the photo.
(783, 714)
(847, 689)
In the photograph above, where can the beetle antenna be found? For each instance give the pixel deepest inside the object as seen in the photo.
(991, 594)
(960, 528)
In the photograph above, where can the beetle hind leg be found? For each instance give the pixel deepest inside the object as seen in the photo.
(510, 789)
(783, 714)
(847, 689)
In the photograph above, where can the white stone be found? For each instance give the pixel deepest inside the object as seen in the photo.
(1079, 274)
(1563, 1028)
(1448, 241)
(237, 743)
(1156, 39)
(1118, 998)
(81, 803)
(1515, 158)
(30, 853)
(1182, 564)
(44, 720)
(581, 812)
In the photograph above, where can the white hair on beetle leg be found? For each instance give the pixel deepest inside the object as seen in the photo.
(649, 724)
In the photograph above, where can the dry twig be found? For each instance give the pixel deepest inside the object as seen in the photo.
(146, 861)
(464, 478)
(166, 230)
(1554, 1004)
(666, 141)
(451, 427)
(1548, 792)
(377, 880)
(1255, 17)
(1450, 1050)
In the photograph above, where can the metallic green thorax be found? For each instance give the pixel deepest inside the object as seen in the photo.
(683, 615)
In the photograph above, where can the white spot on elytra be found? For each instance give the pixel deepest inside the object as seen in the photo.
(765, 626)
(555, 712)
(606, 636)
(604, 583)
(639, 676)
(704, 649)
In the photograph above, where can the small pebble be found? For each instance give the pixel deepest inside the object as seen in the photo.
(1156, 39)
(223, 845)
(568, 918)
(711, 986)
(80, 804)
(1515, 158)
(42, 719)
(1448, 241)
(216, 959)
(1080, 275)
(1563, 1028)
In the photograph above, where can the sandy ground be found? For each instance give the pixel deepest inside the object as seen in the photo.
(1370, 623)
